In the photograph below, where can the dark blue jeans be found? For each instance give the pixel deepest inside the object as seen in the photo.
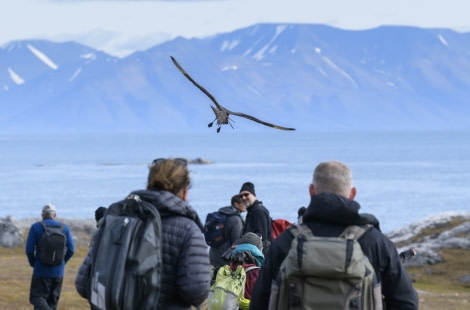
(45, 292)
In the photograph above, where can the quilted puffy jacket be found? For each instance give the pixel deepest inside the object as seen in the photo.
(186, 269)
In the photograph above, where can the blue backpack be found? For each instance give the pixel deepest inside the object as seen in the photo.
(214, 229)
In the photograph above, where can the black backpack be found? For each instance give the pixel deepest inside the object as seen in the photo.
(126, 266)
(52, 245)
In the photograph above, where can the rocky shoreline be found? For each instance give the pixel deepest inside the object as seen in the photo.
(430, 235)
(13, 232)
(448, 230)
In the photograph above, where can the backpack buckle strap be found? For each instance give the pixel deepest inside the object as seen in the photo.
(354, 232)
(133, 197)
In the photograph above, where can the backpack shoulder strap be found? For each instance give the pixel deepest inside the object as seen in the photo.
(300, 229)
(354, 232)
(44, 225)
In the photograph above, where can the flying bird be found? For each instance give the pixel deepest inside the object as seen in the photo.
(222, 114)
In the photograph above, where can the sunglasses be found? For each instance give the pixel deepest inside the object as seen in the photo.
(179, 160)
(244, 195)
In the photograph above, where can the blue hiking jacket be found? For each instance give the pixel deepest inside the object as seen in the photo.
(34, 235)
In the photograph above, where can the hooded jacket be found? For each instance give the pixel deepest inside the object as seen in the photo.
(327, 215)
(250, 257)
(233, 229)
(186, 271)
(32, 242)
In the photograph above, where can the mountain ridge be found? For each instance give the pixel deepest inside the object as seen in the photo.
(312, 77)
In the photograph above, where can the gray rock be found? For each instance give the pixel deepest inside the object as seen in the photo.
(429, 246)
(10, 234)
(433, 221)
(424, 257)
(465, 279)
(81, 229)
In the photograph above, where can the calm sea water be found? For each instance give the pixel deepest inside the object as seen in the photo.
(401, 176)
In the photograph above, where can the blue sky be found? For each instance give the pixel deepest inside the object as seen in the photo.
(121, 27)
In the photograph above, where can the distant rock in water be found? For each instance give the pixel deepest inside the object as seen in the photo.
(10, 234)
(200, 161)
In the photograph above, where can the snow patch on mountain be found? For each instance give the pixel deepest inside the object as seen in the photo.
(15, 77)
(342, 72)
(443, 41)
(226, 68)
(75, 74)
(89, 56)
(229, 45)
(260, 54)
(43, 57)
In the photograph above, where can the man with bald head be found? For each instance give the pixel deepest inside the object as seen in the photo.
(332, 208)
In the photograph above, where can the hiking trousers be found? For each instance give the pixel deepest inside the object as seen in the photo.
(45, 292)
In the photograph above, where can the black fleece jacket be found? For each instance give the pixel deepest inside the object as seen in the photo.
(258, 221)
(327, 215)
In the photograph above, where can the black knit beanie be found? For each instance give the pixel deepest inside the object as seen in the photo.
(249, 187)
(99, 213)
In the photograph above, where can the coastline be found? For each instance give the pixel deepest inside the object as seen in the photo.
(81, 229)
(451, 228)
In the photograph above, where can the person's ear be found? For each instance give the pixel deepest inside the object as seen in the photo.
(185, 193)
(311, 190)
(353, 193)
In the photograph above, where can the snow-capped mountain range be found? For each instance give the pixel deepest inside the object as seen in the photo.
(311, 77)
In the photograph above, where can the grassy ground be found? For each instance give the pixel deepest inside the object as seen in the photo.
(438, 286)
(15, 278)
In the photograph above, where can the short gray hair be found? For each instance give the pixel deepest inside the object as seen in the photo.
(334, 177)
(48, 210)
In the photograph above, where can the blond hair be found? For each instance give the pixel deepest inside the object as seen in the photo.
(333, 176)
(168, 175)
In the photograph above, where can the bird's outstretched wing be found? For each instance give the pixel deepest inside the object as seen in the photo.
(205, 91)
(260, 121)
(220, 107)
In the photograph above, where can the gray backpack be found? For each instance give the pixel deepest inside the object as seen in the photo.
(326, 273)
(126, 266)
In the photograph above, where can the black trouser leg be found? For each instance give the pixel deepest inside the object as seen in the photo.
(45, 292)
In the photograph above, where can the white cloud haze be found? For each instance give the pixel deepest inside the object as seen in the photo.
(120, 27)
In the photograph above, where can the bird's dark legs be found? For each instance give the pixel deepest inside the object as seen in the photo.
(218, 129)
(211, 123)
